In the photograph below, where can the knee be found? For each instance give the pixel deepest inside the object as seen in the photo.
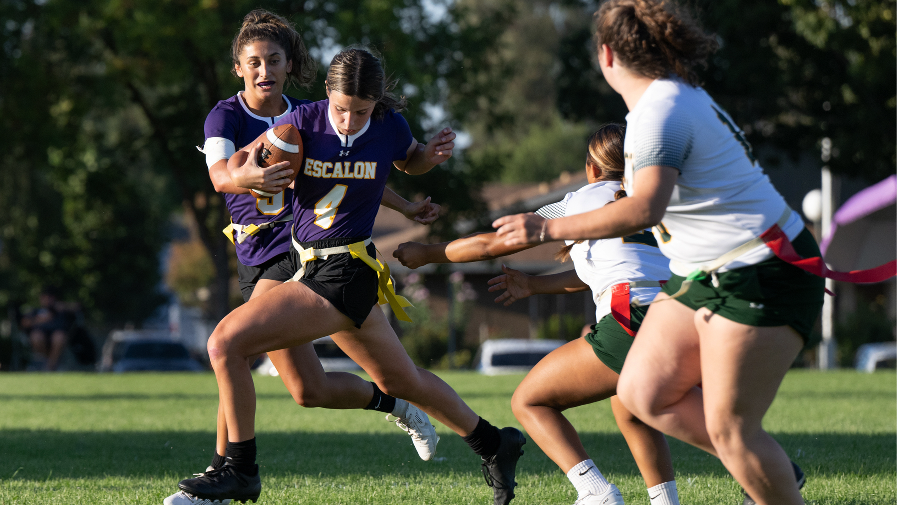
(631, 396)
(310, 399)
(727, 433)
(59, 337)
(220, 345)
(521, 402)
(398, 387)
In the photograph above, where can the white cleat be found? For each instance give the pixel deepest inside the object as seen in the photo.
(182, 498)
(416, 423)
(611, 497)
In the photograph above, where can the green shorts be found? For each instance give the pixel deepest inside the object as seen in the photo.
(610, 341)
(770, 293)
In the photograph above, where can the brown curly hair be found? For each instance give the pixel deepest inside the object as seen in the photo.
(654, 38)
(263, 25)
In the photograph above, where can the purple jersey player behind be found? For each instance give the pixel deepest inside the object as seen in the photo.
(352, 141)
(230, 126)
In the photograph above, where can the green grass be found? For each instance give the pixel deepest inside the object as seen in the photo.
(72, 438)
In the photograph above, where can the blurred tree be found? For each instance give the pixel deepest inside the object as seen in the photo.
(129, 84)
(790, 72)
(75, 190)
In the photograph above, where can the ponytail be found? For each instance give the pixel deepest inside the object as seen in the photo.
(654, 38)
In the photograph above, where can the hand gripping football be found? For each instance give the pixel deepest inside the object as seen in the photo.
(281, 143)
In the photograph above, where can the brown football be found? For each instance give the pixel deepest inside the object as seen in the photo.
(281, 143)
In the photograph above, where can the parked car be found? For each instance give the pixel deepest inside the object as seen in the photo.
(512, 355)
(134, 351)
(871, 357)
(333, 359)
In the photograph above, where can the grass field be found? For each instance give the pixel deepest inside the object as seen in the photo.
(97, 439)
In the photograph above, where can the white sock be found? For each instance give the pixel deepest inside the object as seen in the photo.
(587, 479)
(400, 408)
(664, 494)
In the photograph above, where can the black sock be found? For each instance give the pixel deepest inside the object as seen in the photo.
(381, 402)
(484, 440)
(242, 456)
(218, 461)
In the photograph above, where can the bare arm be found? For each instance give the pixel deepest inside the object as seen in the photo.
(423, 212)
(644, 209)
(477, 247)
(518, 285)
(421, 158)
(221, 179)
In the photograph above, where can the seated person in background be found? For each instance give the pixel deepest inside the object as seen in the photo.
(48, 327)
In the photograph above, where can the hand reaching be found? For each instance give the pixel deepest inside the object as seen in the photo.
(521, 229)
(439, 148)
(410, 254)
(423, 212)
(514, 282)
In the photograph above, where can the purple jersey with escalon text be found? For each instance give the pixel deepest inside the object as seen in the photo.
(232, 121)
(340, 185)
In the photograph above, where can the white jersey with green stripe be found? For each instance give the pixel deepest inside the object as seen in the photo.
(603, 263)
(722, 198)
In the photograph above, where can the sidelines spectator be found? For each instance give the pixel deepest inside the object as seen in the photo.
(48, 327)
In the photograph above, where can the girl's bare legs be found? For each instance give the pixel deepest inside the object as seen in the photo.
(741, 367)
(659, 381)
(648, 446)
(742, 373)
(571, 376)
(568, 377)
(305, 379)
(266, 322)
(376, 348)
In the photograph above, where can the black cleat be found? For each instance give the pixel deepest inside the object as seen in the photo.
(798, 476)
(224, 483)
(499, 470)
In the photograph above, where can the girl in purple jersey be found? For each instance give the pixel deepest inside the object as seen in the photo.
(269, 53)
(354, 137)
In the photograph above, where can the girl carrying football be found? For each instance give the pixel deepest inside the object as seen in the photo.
(733, 316)
(587, 369)
(351, 142)
(269, 54)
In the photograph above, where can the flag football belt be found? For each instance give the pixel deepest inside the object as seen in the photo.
(246, 230)
(776, 240)
(619, 300)
(386, 292)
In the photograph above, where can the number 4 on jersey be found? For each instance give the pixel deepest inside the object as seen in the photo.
(326, 207)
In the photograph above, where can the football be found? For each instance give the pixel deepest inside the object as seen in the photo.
(281, 143)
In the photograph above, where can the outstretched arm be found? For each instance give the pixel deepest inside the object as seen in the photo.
(477, 247)
(421, 159)
(518, 285)
(423, 212)
(644, 209)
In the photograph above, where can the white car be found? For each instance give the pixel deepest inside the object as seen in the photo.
(512, 355)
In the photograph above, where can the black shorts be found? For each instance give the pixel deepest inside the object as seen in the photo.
(279, 268)
(346, 282)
